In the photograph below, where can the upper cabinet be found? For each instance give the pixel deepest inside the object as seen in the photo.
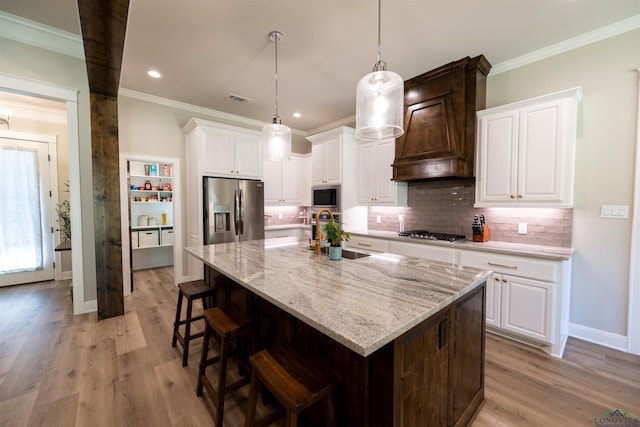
(440, 121)
(327, 155)
(225, 151)
(375, 185)
(287, 183)
(526, 151)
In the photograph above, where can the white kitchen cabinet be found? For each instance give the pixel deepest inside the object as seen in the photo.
(367, 243)
(525, 152)
(297, 232)
(375, 187)
(286, 183)
(327, 155)
(526, 297)
(225, 151)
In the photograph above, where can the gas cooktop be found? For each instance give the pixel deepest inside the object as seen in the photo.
(429, 235)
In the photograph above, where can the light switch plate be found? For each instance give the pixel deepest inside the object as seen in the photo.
(614, 211)
(522, 228)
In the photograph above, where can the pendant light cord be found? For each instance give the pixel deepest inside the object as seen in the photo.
(379, 26)
(277, 117)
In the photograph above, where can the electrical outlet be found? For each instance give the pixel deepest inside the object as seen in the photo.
(378, 219)
(522, 228)
(279, 215)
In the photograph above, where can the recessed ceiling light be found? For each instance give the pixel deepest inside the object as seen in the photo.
(153, 73)
(297, 115)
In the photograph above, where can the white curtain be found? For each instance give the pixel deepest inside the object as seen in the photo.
(20, 226)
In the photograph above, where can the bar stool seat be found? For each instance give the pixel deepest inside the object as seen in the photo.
(194, 290)
(228, 323)
(297, 383)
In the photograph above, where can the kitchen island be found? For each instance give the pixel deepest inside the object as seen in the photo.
(404, 336)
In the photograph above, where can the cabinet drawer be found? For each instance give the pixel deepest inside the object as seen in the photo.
(532, 268)
(418, 250)
(148, 238)
(134, 239)
(367, 243)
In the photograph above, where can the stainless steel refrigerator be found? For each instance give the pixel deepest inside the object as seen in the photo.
(233, 210)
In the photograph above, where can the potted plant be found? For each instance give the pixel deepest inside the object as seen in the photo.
(335, 235)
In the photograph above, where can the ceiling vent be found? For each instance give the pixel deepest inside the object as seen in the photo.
(238, 98)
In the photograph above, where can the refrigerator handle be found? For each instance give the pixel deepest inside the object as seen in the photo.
(236, 211)
(241, 211)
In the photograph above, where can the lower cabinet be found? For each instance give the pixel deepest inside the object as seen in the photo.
(527, 298)
(418, 250)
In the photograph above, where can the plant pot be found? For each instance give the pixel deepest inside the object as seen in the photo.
(335, 252)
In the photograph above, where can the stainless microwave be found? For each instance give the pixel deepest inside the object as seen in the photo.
(326, 196)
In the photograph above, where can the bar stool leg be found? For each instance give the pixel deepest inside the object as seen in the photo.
(254, 391)
(222, 380)
(176, 323)
(203, 359)
(187, 333)
(292, 419)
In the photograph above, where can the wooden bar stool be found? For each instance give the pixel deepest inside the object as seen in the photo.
(197, 289)
(229, 323)
(296, 382)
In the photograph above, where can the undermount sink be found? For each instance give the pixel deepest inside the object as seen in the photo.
(346, 253)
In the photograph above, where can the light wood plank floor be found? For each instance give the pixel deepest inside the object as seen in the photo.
(57, 369)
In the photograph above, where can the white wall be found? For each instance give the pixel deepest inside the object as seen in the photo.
(42, 65)
(605, 154)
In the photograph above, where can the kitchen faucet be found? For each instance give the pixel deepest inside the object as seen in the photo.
(318, 233)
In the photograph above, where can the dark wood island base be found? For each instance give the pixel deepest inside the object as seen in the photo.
(432, 375)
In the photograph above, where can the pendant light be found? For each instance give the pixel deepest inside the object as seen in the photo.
(276, 137)
(379, 101)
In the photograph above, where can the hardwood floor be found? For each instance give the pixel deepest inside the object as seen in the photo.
(57, 369)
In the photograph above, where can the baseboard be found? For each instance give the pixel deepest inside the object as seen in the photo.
(91, 306)
(66, 275)
(596, 336)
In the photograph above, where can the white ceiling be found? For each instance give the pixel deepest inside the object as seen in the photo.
(208, 49)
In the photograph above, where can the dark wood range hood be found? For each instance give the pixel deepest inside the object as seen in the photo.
(440, 121)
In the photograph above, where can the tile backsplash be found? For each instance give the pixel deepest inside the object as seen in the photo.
(284, 215)
(447, 207)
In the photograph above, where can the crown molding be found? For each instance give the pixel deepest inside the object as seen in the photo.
(594, 36)
(226, 117)
(29, 32)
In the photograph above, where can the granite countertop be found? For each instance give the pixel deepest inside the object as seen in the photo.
(553, 253)
(363, 303)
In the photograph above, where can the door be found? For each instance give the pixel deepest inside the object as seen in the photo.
(527, 307)
(251, 210)
(26, 232)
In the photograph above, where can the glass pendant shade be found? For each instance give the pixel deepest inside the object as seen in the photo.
(276, 140)
(379, 105)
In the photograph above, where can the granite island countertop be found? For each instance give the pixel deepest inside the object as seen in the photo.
(363, 303)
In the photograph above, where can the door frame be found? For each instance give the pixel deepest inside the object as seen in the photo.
(633, 318)
(70, 97)
(124, 216)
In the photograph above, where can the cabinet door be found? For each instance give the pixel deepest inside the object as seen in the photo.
(317, 164)
(292, 181)
(218, 153)
(497, 158)
(527, 307)
(306, 167)
(494, 285)
(422, 374)
(383, 172)
(541, 159)
(248, 156)
(272, 182)
(333, 160)
(366, 172)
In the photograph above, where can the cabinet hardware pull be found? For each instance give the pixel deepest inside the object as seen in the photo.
(512, 267)
(512, 196)
(504, 280)
(364, 244)
(519, 196)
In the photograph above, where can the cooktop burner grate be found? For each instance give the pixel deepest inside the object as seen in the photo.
(429, 235)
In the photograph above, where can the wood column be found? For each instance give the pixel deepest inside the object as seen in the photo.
(103, 26)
